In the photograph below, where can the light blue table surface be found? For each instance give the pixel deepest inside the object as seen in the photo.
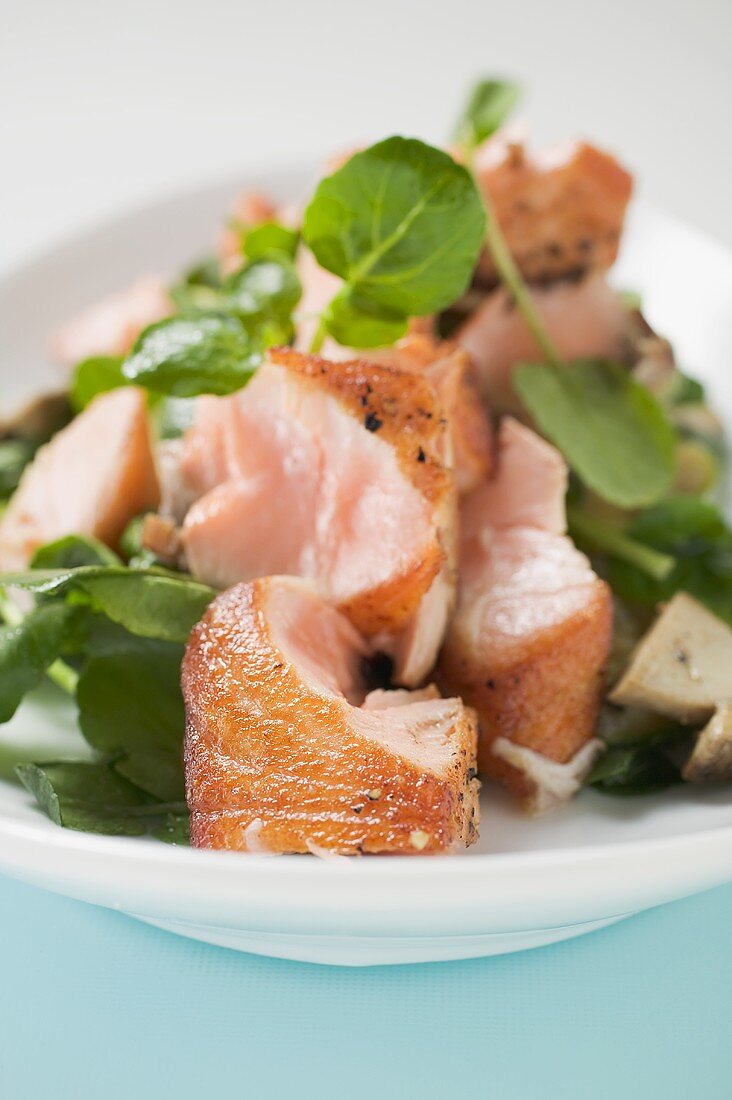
(96, 1005)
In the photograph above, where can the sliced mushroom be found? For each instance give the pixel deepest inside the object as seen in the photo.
(711, 759)
(683, 666)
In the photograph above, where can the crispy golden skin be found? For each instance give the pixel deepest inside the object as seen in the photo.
(277, 759)
(544, 693)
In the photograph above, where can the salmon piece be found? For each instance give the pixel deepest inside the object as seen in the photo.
(471, 437)
(111, 326)
(251, 208)
(584, 320)
(414, 649)
(529, 487)
(531, 634)
(455, 379)
(91, 479)
(561, 210)
(336, 472)
(281, 755)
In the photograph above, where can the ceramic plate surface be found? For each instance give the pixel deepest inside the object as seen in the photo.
(527, 882)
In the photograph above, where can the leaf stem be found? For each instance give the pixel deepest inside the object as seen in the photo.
(59, 672)
(63, 676)
(319, 337)
(513, 281)
(604, 536)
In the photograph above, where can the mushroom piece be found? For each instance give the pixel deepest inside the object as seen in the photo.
(682, 667)
(711, 758)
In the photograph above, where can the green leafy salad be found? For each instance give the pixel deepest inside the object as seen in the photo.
(406, 239)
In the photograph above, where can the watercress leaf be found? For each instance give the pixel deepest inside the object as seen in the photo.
(131, 708)
(151, 603)
(401, 223)
(686, 390)
(131, 541)
(633, 770)
(268, 238)
(192, 299)
(176, 829)
(15, 454)
(359, 323)
(634, 727)
(206, 272)
(94, 376)
(695, 533)
(199, 287)
(91, 798)
(488, 107)
(28, 649)
(263, 295)
(611, 430)
(682, 525)
(73, 551)
(185, 356)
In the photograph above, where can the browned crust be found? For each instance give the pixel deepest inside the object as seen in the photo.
(456, 380)
(402, 407)
(545, 695)
(562, 220)
(261, 747)
(390, 606)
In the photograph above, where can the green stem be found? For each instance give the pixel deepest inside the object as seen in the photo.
(320, 334)
(59, 672)
(9, 611)
(63, 676)
(604, 536)
(513, 281)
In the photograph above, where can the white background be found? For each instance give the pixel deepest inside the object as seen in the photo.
(103, 105)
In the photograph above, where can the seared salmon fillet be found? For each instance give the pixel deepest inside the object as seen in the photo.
(111, 326)
(285, 753)
(93, 477)
(455, 379)
(561, 210)
(336, 472)
(584, 320)
(451, 373)
(531, 634)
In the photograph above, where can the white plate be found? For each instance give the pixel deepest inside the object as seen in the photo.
(526, 883)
